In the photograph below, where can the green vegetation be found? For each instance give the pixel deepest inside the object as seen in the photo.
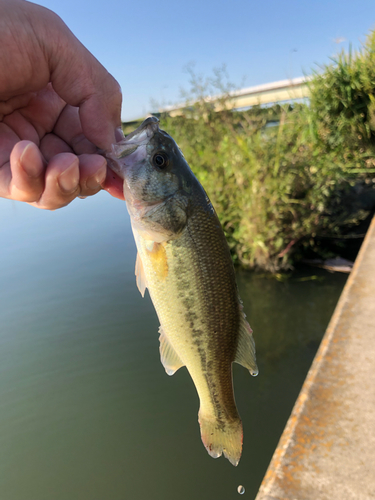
(278, 189)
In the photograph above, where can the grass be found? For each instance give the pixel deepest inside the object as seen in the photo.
(277, 190)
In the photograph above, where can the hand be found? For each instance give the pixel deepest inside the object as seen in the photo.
(58, 105)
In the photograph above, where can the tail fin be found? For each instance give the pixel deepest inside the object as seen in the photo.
(221, 438)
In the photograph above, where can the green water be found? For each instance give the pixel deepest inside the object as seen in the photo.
(86, 409)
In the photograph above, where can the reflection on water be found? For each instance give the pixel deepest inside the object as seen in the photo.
(86, 409)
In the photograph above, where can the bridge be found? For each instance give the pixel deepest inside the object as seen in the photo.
(268, 93)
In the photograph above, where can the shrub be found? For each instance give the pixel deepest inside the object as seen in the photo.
(276, 189)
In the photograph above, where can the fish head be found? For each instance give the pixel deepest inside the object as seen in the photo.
(157, 181)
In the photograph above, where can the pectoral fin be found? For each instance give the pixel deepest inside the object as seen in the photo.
(140, 274)
(168, 355)
(245, 354)
(158, 258)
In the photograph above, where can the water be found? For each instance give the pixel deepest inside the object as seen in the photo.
(86, 409)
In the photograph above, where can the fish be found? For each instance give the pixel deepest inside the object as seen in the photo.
(184, 261)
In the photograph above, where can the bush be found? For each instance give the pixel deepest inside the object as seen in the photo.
(268, 185)
(343, 102)
(276, 189)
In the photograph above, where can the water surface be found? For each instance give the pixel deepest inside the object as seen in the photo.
(86, 409)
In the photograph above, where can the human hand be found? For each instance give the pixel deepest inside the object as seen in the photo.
(58, 105)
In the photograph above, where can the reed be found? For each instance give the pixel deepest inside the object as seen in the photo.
(278, 189)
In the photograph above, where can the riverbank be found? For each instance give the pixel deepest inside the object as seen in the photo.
(327, 450)
(288, 179)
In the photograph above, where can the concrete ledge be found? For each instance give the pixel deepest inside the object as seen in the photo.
(327, 450)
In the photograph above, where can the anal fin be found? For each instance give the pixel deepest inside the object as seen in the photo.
(168, 355)
(245, 354)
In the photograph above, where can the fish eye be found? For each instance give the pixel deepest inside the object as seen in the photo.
(160, 160)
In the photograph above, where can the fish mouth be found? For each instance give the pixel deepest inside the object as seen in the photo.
(148, 127)
(139, 137)
(132, 147)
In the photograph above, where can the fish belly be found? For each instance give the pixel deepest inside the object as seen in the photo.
(192, 286)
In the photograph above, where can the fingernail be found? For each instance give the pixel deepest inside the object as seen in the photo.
(95, 181)
(69, 179)
(31, 161)
(119, 134)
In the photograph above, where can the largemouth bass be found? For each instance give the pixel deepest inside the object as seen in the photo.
(184, 261)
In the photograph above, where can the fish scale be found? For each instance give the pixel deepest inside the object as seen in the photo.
(184, 261)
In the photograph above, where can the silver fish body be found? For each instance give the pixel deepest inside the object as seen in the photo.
(184, 261)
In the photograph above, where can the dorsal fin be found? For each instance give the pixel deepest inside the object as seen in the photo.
(245, 354)
(168, 355)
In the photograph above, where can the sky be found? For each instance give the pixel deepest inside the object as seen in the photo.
(148, 44)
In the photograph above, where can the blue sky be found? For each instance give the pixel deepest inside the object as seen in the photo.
(147, 45)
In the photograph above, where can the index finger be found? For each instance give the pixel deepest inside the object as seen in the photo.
(80, 80)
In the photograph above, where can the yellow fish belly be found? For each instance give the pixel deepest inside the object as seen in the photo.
(192, 286)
